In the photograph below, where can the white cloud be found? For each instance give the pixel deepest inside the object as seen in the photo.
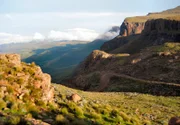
(13, 38)
(38, 36)
(73, 34)
(8, 16)
(109, 34)
(70, 34)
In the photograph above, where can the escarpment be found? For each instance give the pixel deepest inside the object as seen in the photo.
(155, 32)
(154, 28)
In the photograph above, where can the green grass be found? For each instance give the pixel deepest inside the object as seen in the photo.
(168, 47)
(153, 16)
(126, 108)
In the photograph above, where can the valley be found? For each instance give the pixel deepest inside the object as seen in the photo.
(130, 75)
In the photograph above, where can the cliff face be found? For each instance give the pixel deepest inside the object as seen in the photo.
(162, 26)
(155, 32)
(130, 28)
(26, 81)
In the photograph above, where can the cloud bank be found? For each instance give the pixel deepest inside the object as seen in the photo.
(53, 35)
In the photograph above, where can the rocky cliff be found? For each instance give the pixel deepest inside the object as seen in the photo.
(160, 23)
(128, 28)
(135, 25)
(155, 32)
(162, 26)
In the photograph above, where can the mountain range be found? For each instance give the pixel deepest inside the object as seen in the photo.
(132, 79)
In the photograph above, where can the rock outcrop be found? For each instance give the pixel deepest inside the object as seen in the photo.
(26, 81)
(130, 28)
(11, 58)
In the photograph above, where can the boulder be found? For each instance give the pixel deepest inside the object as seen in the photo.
(174, 121)
(75, 98)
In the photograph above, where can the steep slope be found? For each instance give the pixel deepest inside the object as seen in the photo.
(132, 30)
(135, 25)
(156, 32)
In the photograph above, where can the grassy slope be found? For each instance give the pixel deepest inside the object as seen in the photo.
(142, 107)
(172, 14)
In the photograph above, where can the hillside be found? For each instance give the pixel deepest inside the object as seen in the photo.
(151, 67)
(28, 98)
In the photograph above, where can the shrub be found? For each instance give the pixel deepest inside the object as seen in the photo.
(64, 111)
(2, 104)
(22, 109)
(13, 120)
(124, 116)
(10, 89)
(79, 122)
(60, 119)
(114, 113)
(20, 81)
(95, 115)
(40, 103)
(78, 112)
(14, 107)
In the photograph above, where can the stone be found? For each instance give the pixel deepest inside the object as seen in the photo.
(174, 121)
(134, 61)
(75, 98)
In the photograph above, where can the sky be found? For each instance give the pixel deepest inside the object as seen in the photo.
(27, 20)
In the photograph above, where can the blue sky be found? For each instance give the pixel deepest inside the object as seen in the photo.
(24, 20)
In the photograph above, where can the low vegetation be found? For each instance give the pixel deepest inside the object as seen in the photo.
(115, 108)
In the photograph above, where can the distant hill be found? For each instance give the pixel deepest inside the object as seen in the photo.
(27, 49)
(61, 61)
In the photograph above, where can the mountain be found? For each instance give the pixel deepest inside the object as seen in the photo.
(141, 87)
(160, 27)
(60, 61)
(145, 61)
